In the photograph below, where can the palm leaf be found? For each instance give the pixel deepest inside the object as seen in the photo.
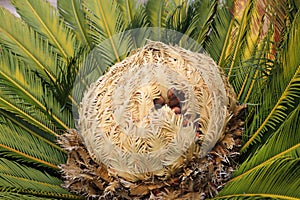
(37, 106)
(274, 148)
(27, 45)
(259, 66)
(15, 77)
(202, 18)
(12, 196)
(26, 180)
(240, 47)
(106, 22)
(156, 13)
(219, 37)
(279, 179)
(287, 90)
(129, 11)
(45, 20)
(21, 144)
(35, 52)
(261, 42)
(75, 18)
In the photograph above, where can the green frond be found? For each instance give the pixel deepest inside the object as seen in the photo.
(178, 15)
(275, 147)
(16, 78)
(156, 13)
(45, 137)
(24, 95)
(19, 143)
(279, 179)
(14, 195)
(45, 19)
(276, 105)
(26, 111)
(35, 52)
(27, 45)
(129, 10)
(259, 66)
(241, 45)
(221, 28)
(140, 18)
(106, 20)
(72, 13)
(203, 13)
(258, 59)
(25, 180)
(290, 56)
(279, 112)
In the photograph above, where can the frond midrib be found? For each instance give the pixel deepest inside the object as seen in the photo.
(108, 31)
(263, 195)
(265, 162)
(58, 45)
(34, 100)
(34, 159)
(43, 126)
(282, 97)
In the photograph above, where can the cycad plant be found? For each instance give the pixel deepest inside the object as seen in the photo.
(44, 52)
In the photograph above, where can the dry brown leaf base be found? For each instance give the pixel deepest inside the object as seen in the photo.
(197, 179)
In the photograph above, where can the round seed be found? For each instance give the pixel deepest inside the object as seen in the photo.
(176, 110)
(159, 101)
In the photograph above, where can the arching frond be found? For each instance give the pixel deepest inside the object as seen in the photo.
(203, 13)
(27, 45)
(44, 19)
(221, 28)
(23, 144)
(287, 93)
(106, 20)
(129, 10)
(275, 147)
(18, 80)
(73, 14)
(26, 180)
(156, 13)
(14, 195)
(24, 95)
(279, 179)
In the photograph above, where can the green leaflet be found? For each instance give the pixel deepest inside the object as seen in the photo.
(72, 13)
(16, 77)
(27, 45)
(45, 20)
(26, 180)
(279, 179)
(276, 105)
(25, 145)
(275, 147)
(218, 39)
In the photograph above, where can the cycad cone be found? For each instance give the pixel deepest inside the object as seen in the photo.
(145, 151)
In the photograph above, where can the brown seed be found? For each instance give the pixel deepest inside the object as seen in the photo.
(198, 133)
(170, 94)
(173, 102)
(159, 101)
(176, 110)
(185, 122)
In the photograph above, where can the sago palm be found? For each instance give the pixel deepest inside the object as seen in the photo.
(67, 72)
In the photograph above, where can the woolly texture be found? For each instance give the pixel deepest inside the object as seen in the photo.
(151, 117)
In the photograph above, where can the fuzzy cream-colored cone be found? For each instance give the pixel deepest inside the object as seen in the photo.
(162, 124)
